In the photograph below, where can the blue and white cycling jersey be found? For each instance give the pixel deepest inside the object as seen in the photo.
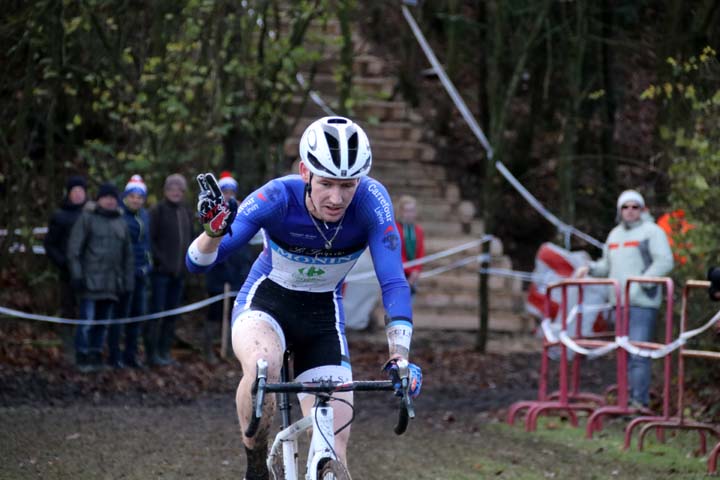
(294, 254)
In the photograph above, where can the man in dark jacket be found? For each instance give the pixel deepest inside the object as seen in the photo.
(56, 242)
(102, 268)
(171, 231)
(133, 304)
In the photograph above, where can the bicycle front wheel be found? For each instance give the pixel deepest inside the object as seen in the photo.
(333, 470)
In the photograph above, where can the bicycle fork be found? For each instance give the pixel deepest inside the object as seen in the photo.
(322, 443)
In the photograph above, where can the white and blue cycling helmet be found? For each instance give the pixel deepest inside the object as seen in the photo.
(336, 147)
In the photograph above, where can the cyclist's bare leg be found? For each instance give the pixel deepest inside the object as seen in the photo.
(254, 338)
(342, 413)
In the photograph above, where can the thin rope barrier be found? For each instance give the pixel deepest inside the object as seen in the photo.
(623, 342)
(10, 312)
(314, 96)
(460, 104)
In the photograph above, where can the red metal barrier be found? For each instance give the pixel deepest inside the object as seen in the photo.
(679, 421)
(712, 460)
(561, 401)
(622, 408)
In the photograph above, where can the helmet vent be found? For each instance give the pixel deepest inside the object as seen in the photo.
(337, 120)
(352, 148)
(334, 146)
(316, 163)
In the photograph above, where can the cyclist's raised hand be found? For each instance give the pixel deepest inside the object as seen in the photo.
(414, 378)
(216, 214)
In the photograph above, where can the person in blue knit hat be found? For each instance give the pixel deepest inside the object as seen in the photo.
(133, 303)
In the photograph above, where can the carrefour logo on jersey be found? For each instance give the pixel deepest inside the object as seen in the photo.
(383, 212)
(311, 272)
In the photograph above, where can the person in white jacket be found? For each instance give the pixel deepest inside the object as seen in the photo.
(637, 246)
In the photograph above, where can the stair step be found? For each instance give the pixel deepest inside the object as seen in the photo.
(379, 87)
(408, 169)
(399, 131)
(385, 131)
(366, 111)
(386, 152)
(450, 228)
(364, 64)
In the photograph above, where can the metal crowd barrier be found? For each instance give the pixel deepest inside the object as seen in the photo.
(622, 408)
(565, 400)
(679, 422)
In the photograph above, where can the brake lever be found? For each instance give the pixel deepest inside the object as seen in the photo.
(258, 390)
(404, 371)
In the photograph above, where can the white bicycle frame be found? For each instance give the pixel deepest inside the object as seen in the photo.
(320, 420)
(322, 443)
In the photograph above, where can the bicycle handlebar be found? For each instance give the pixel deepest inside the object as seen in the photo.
(407, 411)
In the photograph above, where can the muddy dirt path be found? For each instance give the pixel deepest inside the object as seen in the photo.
(61, 427)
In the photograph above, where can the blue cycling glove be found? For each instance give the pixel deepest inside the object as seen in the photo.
(415, 378)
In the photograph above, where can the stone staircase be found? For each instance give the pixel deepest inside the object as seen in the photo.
(406, 162)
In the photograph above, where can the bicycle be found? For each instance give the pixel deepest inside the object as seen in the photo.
(322, 462)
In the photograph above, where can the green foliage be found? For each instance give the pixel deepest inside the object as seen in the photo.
(690, 97)
(110, 89)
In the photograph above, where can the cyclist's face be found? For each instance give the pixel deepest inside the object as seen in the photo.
(330, 197)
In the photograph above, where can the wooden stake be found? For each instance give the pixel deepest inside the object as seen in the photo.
(225, 323)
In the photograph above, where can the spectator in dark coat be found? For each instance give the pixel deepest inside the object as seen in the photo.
(134, 303)
(100, 260)
(56, 241)
(171, 231)
(232, 271)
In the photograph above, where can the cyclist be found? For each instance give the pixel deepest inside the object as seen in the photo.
(315, 226)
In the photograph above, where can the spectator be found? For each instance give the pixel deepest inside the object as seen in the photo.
(233, 271)
(101, 268)
(56, 241)
(134, 303)
(171, 231)
(412, 238)
(636, 247)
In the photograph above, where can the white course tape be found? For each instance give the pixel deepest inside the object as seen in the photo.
(623, 342)
(504, 272)
(70, 321)
(480, 135)
(590, 353)
(440, 71)
(314, 96)
(430, 258)
(535, 203)
(197, 305)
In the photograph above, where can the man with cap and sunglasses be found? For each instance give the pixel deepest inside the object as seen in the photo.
(101, 264)
(636, 247)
